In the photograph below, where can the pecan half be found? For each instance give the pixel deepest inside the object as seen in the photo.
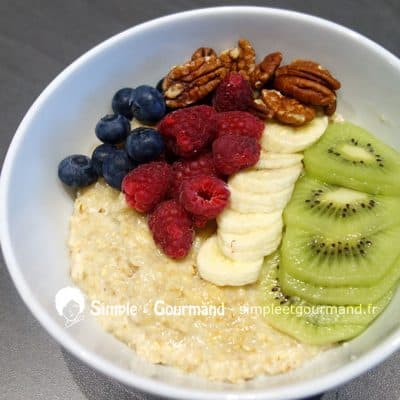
(330, 108)
(260, 110)
(287, 110)
(204, 52)
(188, 83)
(240, 59)
(317, 70)
(264, 71)
(305, 90)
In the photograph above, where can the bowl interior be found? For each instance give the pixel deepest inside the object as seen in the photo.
(36, 207)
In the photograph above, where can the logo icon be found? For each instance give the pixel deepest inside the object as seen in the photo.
(70, 304)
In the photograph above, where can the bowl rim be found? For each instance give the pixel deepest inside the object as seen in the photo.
(130, 378)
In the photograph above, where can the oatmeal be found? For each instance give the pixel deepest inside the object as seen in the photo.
(115, 261)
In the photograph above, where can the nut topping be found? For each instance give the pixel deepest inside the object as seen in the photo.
(286, 110)
(204, 52)
(314, 69)
(308, 82)
(305, 90)
(188, 83)
(240, 59)
(260, 110)
(264, 71)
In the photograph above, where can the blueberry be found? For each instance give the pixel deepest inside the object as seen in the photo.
(113, 128)
(122, 102)
(77, 171)
(115, 166)
(144, 144)
(99, 154)
(148, 104)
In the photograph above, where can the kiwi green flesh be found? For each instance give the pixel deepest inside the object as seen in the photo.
(332, 259)
(349, 156)
(341, 295)
(310, 323)
(323, 206)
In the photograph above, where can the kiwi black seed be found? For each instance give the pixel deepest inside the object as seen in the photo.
(351, 247)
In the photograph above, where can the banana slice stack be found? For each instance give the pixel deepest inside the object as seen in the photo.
(251, 226)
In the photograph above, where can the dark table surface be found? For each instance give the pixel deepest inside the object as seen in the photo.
(38, 39)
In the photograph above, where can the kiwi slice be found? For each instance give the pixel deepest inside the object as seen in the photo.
(349, 156)
(341, 295)
(323, 206)
(334, 258)
(310, 323)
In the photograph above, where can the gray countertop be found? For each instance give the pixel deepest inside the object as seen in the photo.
(39, 38)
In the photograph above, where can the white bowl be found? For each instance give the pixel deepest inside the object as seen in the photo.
(34, 206)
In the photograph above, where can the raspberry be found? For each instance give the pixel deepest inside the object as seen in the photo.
(233, 153)
(204, 196)
(233, 94)
(189, 168)
(188, 130)
(239, 123)
(145, 186)
(172, 229)
(199, 221)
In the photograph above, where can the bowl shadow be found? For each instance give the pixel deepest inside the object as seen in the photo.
(96, 386)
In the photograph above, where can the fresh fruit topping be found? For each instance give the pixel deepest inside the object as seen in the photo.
(239, 123)
(116, 166)
(189, 130)
(216, 268)
(233, 152)
(172, 228)
(350, 156)
(266, 181)
(146, 185)
(148, 104)
(231, 221)
(204, 196)
(77, 171)
(113, 128)
(203, 164)
(244, 202)
(122, 102)
(325, 324)
(252, 245)
(340, 295)
(199, 221)
(233, 94)
(315, 203)
(279, 138)
(270, 160)
(338, 257)
(144, 144)
(99, 155)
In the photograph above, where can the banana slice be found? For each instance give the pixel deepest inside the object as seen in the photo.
(244, 202)
(214, 267)
(265, 181)
(270, 160)
(279, 138)
(231, 221)
(257, 240)
(266, 249)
